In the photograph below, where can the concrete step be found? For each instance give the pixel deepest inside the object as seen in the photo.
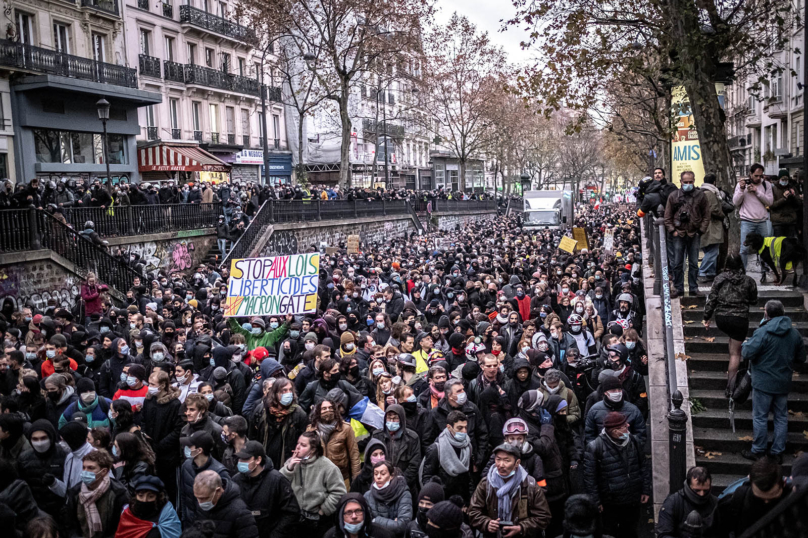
(719, 419)
(796, 313)
(715, 399)
(735, 465)
(708, 362)
(711, 380)
(787, 297)
(716, 344)
(725, 441)
(695, 328)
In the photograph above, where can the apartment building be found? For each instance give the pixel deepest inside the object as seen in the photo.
(210, 123)
(382, 109)
(767, 128)
(58, 60)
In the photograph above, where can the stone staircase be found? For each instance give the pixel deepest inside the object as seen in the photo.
(718, 448)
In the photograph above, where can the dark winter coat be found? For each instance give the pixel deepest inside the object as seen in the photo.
(32, 466)
(269, 496)
(773, 351)
(368, 530)
(596, 416)
(732, 294)
(477, 430)
(279, 438)
(190, 507)
(403, 449)
(616, 475)
(19, 498)
(231, 516)
(110, 506)
(452, 485)
(316, 390)
(162, 422)
(675, 510)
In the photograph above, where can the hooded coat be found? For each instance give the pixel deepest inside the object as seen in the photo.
(364, 481)
(403, 447)
(773, 351)
(317, 484)
(368, 530)
(270, 498)
(732, 294)
(231, 516)
(395, 515)
(190, 507)
(110, 374)
(17, 496)
(162, 421)
(33, 466)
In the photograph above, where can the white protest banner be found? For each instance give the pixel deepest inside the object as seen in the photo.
(608, 240)
(273, 286)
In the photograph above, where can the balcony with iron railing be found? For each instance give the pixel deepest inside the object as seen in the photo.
(103, 6)
(245, 141)
(174, 71)
(176, 134)
(168, 10)
(215, 78)
(214, 138)
(203, 20)
(51, 62)
(198, 136)
(152, 133)
(231, 139)
(143, 4)
(273, 94)
(149, 66)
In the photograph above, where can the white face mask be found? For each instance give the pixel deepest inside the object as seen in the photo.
(615, 396)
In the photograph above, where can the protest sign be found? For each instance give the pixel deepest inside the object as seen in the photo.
(353, 244)
(579, 234)
(567, 244)
(608, 240)
(273, 286)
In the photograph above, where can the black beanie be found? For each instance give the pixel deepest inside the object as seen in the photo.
(85, 384)
(74, 434)
(611, 383)
(432, 491)
(470, 370)
(580, 515)
(446, 515)
(456, 340)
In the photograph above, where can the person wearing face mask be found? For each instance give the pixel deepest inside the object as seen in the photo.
(12, 441)
(713, 240)
(786, 206)
(687, 218)
(149, 510)
(109, 376)
(354, 520)
(402, 443)
(74, 434)
(494, 509)
(521, 302)
(338, 438)
(96, 408)
(60, 397)
(39, 465)
(449, 457)
(218, 500)
(162, 421)
(266, 492)
(347, 343)
(197, 449)
(617, 475)
(94, 506)
(134, 388)
(258, 336)
(694, 495)
(278, 421)
(614, 400)
(554, 384)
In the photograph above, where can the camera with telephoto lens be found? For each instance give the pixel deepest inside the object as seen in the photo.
(683, 217)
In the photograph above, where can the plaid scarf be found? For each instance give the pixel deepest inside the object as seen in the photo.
(88, 497)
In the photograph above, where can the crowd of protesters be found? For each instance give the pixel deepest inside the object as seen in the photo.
(489, 384)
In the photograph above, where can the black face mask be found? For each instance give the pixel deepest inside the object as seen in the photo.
(409, 407)
(355, 371)
(434, 532)
(439, 386)
(144, 510)
(54, 396)
(421, 517)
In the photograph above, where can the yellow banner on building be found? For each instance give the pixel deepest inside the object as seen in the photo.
(686, 154)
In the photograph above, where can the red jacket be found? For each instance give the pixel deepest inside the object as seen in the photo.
(92, 299)
(524, 307)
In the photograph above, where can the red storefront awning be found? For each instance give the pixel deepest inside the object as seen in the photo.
(165, 158)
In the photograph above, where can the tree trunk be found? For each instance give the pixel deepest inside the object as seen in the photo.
(345, 147)
(302, 176)
(461, 183)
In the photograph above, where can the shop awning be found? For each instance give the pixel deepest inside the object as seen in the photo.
(167, 158)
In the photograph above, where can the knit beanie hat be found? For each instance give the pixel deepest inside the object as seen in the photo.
(614, 420)
(310, 337)
(346, 337)
(446, 515)
(74, 434)
(138, 371)
(611, 383)
(85, 384)
(432, 491)
(456, 340)
(530, 400)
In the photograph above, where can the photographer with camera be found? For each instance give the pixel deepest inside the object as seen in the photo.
(687, 217)
(752, 197)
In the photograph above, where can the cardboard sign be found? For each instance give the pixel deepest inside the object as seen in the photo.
(579, 234)
(608, 240)
(567, 244)
(273, 286)
(353, 244)
(331, 250)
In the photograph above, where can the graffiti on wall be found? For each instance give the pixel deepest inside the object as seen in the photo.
(282, 243)
(37, 284)
(164, 255)
(181, 258)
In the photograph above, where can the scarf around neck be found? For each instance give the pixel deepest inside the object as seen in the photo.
(449, 460)
(506, 491)
(88, 498)
(391, 493)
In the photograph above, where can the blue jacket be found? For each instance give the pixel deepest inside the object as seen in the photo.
(96, 413)
(772, 352)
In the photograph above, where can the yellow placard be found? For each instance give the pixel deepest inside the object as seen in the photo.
(353, 244)
(567, 244)
(579, 234)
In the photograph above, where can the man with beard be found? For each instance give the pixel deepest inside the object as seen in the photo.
(148, 512)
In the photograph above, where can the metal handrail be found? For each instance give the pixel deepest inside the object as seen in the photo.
(244, 243)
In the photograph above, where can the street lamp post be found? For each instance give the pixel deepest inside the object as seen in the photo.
(103, 114)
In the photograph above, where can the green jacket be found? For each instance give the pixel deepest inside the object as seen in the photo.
(265, 339)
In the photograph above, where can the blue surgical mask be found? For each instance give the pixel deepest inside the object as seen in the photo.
(115, 451)
(89, 358)
(631, 345)
(131, 381)
(273, 325)
(123, 376)
(294, 334)
(157, 357)
(370, 322)
(256, 330)
(287, 398)
(187, 452)
(353, 528)
(125, 350)
(88, 477)
(624, 436)
(212, 362)
(51, 353)
(460, 436)
(104, 329)
(243, 467)
(393, 426)
(687, 187)
(411, 398)
(206, 506)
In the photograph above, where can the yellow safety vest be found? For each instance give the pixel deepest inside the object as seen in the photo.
(775, 245)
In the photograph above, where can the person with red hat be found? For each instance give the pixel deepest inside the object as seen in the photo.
(617, 476)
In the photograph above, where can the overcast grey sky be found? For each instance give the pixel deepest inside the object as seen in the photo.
(488, 15)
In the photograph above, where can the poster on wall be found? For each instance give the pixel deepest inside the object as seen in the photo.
(273, 286)
(686, 152)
